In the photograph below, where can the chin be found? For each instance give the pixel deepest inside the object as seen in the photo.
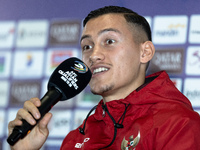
(102, 90)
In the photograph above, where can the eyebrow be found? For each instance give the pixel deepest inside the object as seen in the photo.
(101, 32)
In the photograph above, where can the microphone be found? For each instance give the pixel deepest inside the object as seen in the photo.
(68, 80)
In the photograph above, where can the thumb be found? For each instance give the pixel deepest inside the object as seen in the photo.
(43, 124)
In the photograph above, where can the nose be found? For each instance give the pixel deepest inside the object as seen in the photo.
(97, 55)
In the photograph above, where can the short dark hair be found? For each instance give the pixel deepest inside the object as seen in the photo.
(129, 15)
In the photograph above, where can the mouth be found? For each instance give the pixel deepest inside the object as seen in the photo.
(99, 70)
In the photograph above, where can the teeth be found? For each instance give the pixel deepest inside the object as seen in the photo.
(99, 70)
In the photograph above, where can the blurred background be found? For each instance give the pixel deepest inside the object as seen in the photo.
(36, 36)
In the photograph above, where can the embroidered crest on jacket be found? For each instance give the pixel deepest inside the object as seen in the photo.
(131, 143)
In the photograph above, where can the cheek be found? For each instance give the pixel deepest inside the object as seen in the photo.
(85, 59)
(127, 64)
(121, 61)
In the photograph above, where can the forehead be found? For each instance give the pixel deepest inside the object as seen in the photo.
(104, 22)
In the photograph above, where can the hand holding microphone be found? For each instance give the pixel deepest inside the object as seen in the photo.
(68, 80)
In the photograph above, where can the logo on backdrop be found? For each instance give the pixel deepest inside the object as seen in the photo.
(2, 63)
(60, 123)
(57, 56)
(170, 29)
(28, 64)
(64, 32)
(194, 33)
(5, 61)
(7, 33)
(170, 60)
(2, 122)
(24, 90)
(32, 33)
(4, 92)
(192, 90)
(193, 60)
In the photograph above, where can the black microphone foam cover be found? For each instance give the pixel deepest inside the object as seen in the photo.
(70, 78)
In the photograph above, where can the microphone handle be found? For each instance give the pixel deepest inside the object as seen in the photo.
(47, 102)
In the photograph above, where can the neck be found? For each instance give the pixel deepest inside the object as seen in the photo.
(121, 93)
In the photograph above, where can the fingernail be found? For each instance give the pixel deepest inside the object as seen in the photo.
(33, 121)
(37, 115)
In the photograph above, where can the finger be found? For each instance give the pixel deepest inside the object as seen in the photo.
(24, 114)
(44, 122)
(30, 107)
(36, 101)
(12, 124)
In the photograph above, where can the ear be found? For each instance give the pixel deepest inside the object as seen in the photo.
(147, 52)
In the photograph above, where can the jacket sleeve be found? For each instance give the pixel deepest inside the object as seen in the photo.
(180, 133)
(71, 140)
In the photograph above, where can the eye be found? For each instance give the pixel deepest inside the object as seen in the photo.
(86, 47)
(110, 41)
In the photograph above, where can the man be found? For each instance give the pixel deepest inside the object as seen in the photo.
(135, 112)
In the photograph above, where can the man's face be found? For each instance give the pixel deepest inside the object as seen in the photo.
(108, 48)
